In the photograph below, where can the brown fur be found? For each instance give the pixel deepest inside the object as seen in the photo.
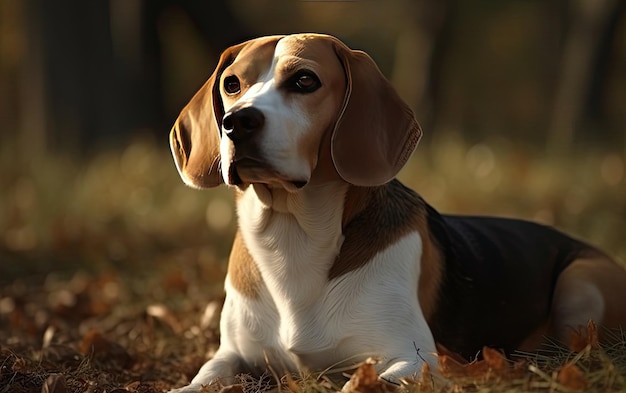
(243, 273)
(607, 277)
(374, 219)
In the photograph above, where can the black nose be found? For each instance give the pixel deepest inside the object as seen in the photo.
(238, 124)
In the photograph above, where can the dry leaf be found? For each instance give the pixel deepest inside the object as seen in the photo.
(211, 316)
(236, 388)
(572, 377)
(60, 353)
(519, 368)
(449, 366)
(132, 387)
(426, 375)
(21, 321)
(426, 381)
(19, 366)
(55, 383)
(163, 314)
(584, 337)
(175, 281)
(495, 360)
(577, 341)
(592, 335)
(96, 345)
(365, 375)
(291, 384)
(92, 342)
(365, 379)
(48, 335)
(452, 368)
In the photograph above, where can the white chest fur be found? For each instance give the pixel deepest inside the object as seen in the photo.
(294, 238)
(301, 319)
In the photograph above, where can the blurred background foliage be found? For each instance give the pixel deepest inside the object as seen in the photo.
(523, 104)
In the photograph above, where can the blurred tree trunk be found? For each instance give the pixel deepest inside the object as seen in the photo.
(69, 81)
(418, 58)
(581, 71)
(23, 119)
(91, 71)
(33, 115)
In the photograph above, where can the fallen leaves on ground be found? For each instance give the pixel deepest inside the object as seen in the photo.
(572, 377)
(584, 337)
(492, 365)
(112, 278)
(95, 345)
(96, 333)
(366, 379)
(55, 383)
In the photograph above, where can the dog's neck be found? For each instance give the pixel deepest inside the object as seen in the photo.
(294, 237)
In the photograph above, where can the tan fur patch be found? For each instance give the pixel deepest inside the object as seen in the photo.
(243, 273)
(375, 218)
(607, 277)
(430, 277)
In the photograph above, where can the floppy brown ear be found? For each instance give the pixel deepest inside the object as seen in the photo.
(195, 137)
(376, 131)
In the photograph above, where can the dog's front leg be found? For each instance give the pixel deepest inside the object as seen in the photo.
(401, 369)
(223, 368)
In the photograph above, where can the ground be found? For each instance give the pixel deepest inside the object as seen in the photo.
(111, 270)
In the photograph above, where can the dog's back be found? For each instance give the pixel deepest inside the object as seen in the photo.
(499, 279)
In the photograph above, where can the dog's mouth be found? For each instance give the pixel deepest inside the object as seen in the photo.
(233, 176)
(248, 170)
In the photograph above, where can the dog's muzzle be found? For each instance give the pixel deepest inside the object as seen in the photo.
(244, 127)
(243, 124)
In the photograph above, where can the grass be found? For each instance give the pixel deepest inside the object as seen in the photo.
(111, 269)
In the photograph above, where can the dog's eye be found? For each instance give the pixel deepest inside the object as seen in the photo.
(232, 85)
(305, 82)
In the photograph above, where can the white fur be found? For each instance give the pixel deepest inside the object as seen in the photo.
(301, 320)
(286, 123)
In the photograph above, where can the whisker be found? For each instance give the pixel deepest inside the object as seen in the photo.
(217, 162)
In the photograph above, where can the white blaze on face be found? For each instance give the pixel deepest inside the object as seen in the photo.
(286, 123)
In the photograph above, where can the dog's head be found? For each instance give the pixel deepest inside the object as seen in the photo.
(286, 111)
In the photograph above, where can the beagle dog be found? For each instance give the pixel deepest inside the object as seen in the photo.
(334, 259)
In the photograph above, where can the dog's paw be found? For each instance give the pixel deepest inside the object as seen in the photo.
(193, 388)
(211, 388)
